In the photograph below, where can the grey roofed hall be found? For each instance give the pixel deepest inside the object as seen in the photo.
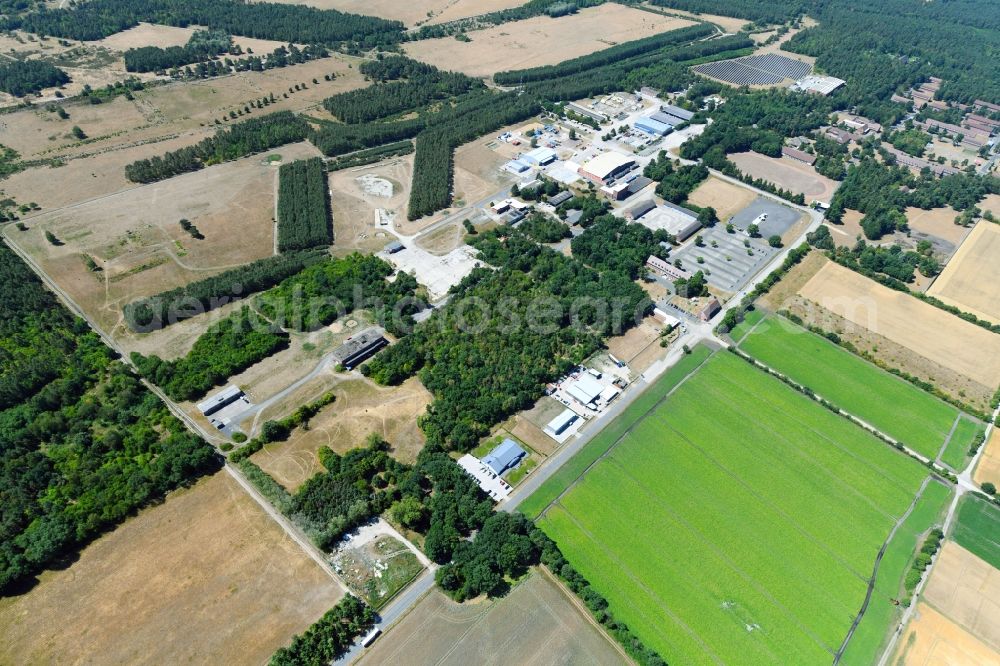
(504, 456)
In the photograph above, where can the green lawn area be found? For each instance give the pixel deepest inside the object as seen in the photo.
(977, 529)
(736, 520)
(871, 636)
(596, 447)
(893, 405)
(750, 320)
(957, 455)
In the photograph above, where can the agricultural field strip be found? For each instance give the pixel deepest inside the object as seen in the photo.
(947, 440)
(651, 594)
(684, 571)
(956, 455)
(782, 350)
(621, 451)
(621, 437)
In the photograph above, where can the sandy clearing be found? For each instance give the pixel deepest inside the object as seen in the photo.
(354, 226)
(537, 623)
(205, 577)
(148, 34)
(789, 174)
(726, 198)
(415, 12)
(929, 331)
(361, 408)
(931, 639)
(988, 468)
(971, 280)
(938, 222)
(967, 590)
(542, 40)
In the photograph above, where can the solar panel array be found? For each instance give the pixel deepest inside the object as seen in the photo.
(756, 70)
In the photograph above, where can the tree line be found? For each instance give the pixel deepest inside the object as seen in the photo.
(370, 156)
(97, 19)
(245, 138)
(303, 206)
(23, 77)
(226, 348)
(529, 9)
(282, 56)
(168, 307)
(760, 11)
(84, 443)
(328, 637)
(202, 45)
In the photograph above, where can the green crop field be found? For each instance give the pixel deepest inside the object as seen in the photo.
(977, 529)
(956, 455)
(893, 405)
(736, 522)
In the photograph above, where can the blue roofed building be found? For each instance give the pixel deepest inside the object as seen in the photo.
(504, 457)
(655, 127)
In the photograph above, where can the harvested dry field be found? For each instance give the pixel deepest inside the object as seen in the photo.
(988, 468)
(789, 174)
(542, 40)
(931, 639)
(929, 331)
(416, 12)
(537, 623)
(939, 222)
(148, 34)
(136, 238)
(967, 590)
(727, 199)
(360, 409)
(971, 280)
(205, 577)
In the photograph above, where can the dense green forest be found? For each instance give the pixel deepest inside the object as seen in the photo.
(23, 77)
(245, 138)
(328, 637)
(82, 442)
(325, 291)
(401, 84)
(489, 352)
(203, 45)
(303, 206)
(612, 244)
(226, 348)
(543, 229)
(96, 19)
(168, 307)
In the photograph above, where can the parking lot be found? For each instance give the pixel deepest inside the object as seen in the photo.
(727, 261)
(779, 218)
(437, 273)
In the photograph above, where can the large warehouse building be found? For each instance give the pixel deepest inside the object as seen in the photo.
(606, 167)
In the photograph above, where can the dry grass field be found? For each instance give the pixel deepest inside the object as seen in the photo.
(542, 40)
(789, 174)
(938, 222)
(988, 468)
(971, 280)
(148, 34)
(360, 409)
(727, 23)
(639, 346)
(355, 197)
(726, 198)
(931, 639)
(537, 623)
(417, 12)
(933, 333)
(205, 577)
(967, 590)
(135, 235)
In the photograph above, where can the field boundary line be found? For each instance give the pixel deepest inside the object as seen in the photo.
(874, 578)
(578, 603)
(655, 597)
(947, 440)
(698, 534)
(628, 430)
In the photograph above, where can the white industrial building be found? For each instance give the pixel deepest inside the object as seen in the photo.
(585, 390)
(540, 156)
(606, 167)
(680, 222)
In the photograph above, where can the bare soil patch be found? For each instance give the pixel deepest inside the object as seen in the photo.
(938, 222)
(542, 40)
(148, 34)
(967, 590)
(931, 639)
(354, 206)
(633, 347)
(988, 468)
(727, 199)
(797, 177)
(361, 408)
(537, 623)
(971, 280)
(929, 331)
(205, 577)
